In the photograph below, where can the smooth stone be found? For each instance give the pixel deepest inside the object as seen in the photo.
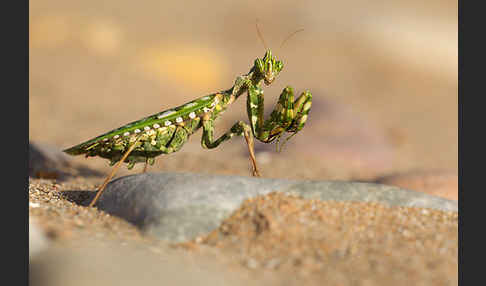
(181, 206)
(370, 192)
(46, 161)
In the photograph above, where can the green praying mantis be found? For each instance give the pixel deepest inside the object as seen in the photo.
(167, 131)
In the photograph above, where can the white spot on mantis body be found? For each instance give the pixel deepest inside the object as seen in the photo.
(190, 104)
(167, 123)
(126, 133)
(179, 119)
(254, 119)
(206, 110)
(116, 136)
(192, 115)
(137, 131)
(216, 101)
(156, 125)
(146, 128)
(167, 113)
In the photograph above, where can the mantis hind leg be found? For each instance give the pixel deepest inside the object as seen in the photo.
(240, 128)
(113, 172)
(148, 161)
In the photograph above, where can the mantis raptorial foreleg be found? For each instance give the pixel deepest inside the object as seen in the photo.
(287, 114)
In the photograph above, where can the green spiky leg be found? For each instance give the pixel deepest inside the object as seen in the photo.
(240, 128)
(287, 116)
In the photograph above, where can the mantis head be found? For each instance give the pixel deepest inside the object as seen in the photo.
(268, 67)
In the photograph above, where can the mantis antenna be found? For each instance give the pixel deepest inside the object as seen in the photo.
(260, 35)
(279, 145)
(290, 36)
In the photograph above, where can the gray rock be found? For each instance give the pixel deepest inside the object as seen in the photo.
(49, 162)
(46, 161)
(369, 192)
(181, 206)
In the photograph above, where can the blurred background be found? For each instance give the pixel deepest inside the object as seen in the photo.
(383, 75)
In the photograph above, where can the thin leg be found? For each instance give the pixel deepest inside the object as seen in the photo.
(103, 186)
(240, 128)
(145, 167)
(249, 142)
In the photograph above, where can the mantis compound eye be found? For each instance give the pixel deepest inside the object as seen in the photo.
(273, 68)
(260, 66)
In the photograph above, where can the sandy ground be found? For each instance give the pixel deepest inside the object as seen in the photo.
(270, 240)
(384, 82)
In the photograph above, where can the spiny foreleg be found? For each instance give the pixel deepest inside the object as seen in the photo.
(287, 116)
(240, 128)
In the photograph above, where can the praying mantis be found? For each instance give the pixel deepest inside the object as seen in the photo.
(167, 131)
